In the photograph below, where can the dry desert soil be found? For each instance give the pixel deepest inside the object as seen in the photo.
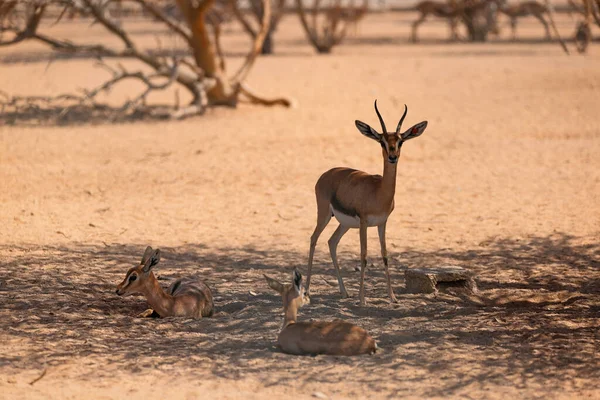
(505, 182)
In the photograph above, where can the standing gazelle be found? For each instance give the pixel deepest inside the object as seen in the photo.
(524, 9)
(451, 11)
(360, 200)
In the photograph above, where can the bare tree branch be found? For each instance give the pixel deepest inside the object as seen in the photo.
(255, 99)
(333, 28)
(101, 16)
(310, 32)
(595, 10)
(172, 23)
(242, 19)
(30, 30)
(123, 74)
(206, 86)
(257, 45)
(216, 25)
(550, 9)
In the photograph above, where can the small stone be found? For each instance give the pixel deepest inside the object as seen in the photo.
(320, 395)
(430, 280)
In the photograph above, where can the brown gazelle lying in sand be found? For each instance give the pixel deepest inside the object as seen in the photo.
(316, 337)
(359, 200)
(186, 297)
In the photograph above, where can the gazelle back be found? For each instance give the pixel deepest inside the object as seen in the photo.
(186, 297)
(316, 337)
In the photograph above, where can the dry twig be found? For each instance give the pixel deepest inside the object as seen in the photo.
(39, 377)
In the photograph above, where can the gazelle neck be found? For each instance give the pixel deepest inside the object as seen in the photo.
(290, 315)
(157, 298)
(388, 184)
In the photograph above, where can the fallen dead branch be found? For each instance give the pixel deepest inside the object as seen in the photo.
(39, 377)
(202, 75)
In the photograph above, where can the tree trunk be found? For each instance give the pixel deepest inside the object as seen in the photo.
(477, 24)
(205, 53)
(267, 47)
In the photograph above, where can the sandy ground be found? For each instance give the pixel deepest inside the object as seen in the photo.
(504, 182)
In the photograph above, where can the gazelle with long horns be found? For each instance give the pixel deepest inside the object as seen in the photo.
(360, 200)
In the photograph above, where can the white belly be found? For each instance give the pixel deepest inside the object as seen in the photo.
(354, 222)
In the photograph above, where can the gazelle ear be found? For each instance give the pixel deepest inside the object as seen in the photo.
(151, 261)
(146, 255)
(415, 131)
(297, 280)
(366, 130)
(274, 284)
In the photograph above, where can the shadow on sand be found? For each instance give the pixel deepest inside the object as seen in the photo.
(58, 304)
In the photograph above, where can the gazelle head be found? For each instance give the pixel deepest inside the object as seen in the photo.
(293, 294)
(391, 142)
(136, 276)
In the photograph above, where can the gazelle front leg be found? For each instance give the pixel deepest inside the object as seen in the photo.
(363, 259)
(415, 26)
(513, 27)
(543, 22)
(381, 230)
(323, 218)
(333, 242)
(453, 29)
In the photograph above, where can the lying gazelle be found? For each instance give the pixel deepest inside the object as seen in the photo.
(186, 297)
(360, 200)
(338, 337)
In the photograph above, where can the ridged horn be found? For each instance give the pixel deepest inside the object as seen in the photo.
(402, 119)
(384, 131)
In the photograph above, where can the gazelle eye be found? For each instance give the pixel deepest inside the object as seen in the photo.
(132, 278)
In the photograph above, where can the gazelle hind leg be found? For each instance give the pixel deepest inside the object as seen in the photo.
(513, 27)
(363, 260)
(333, 243)
(453, 22)
(381, 230)
(546, 27)
(323, 218)
(415, 25)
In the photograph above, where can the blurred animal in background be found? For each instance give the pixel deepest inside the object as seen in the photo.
(452, 11)
(524, 9)
(351, 15)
